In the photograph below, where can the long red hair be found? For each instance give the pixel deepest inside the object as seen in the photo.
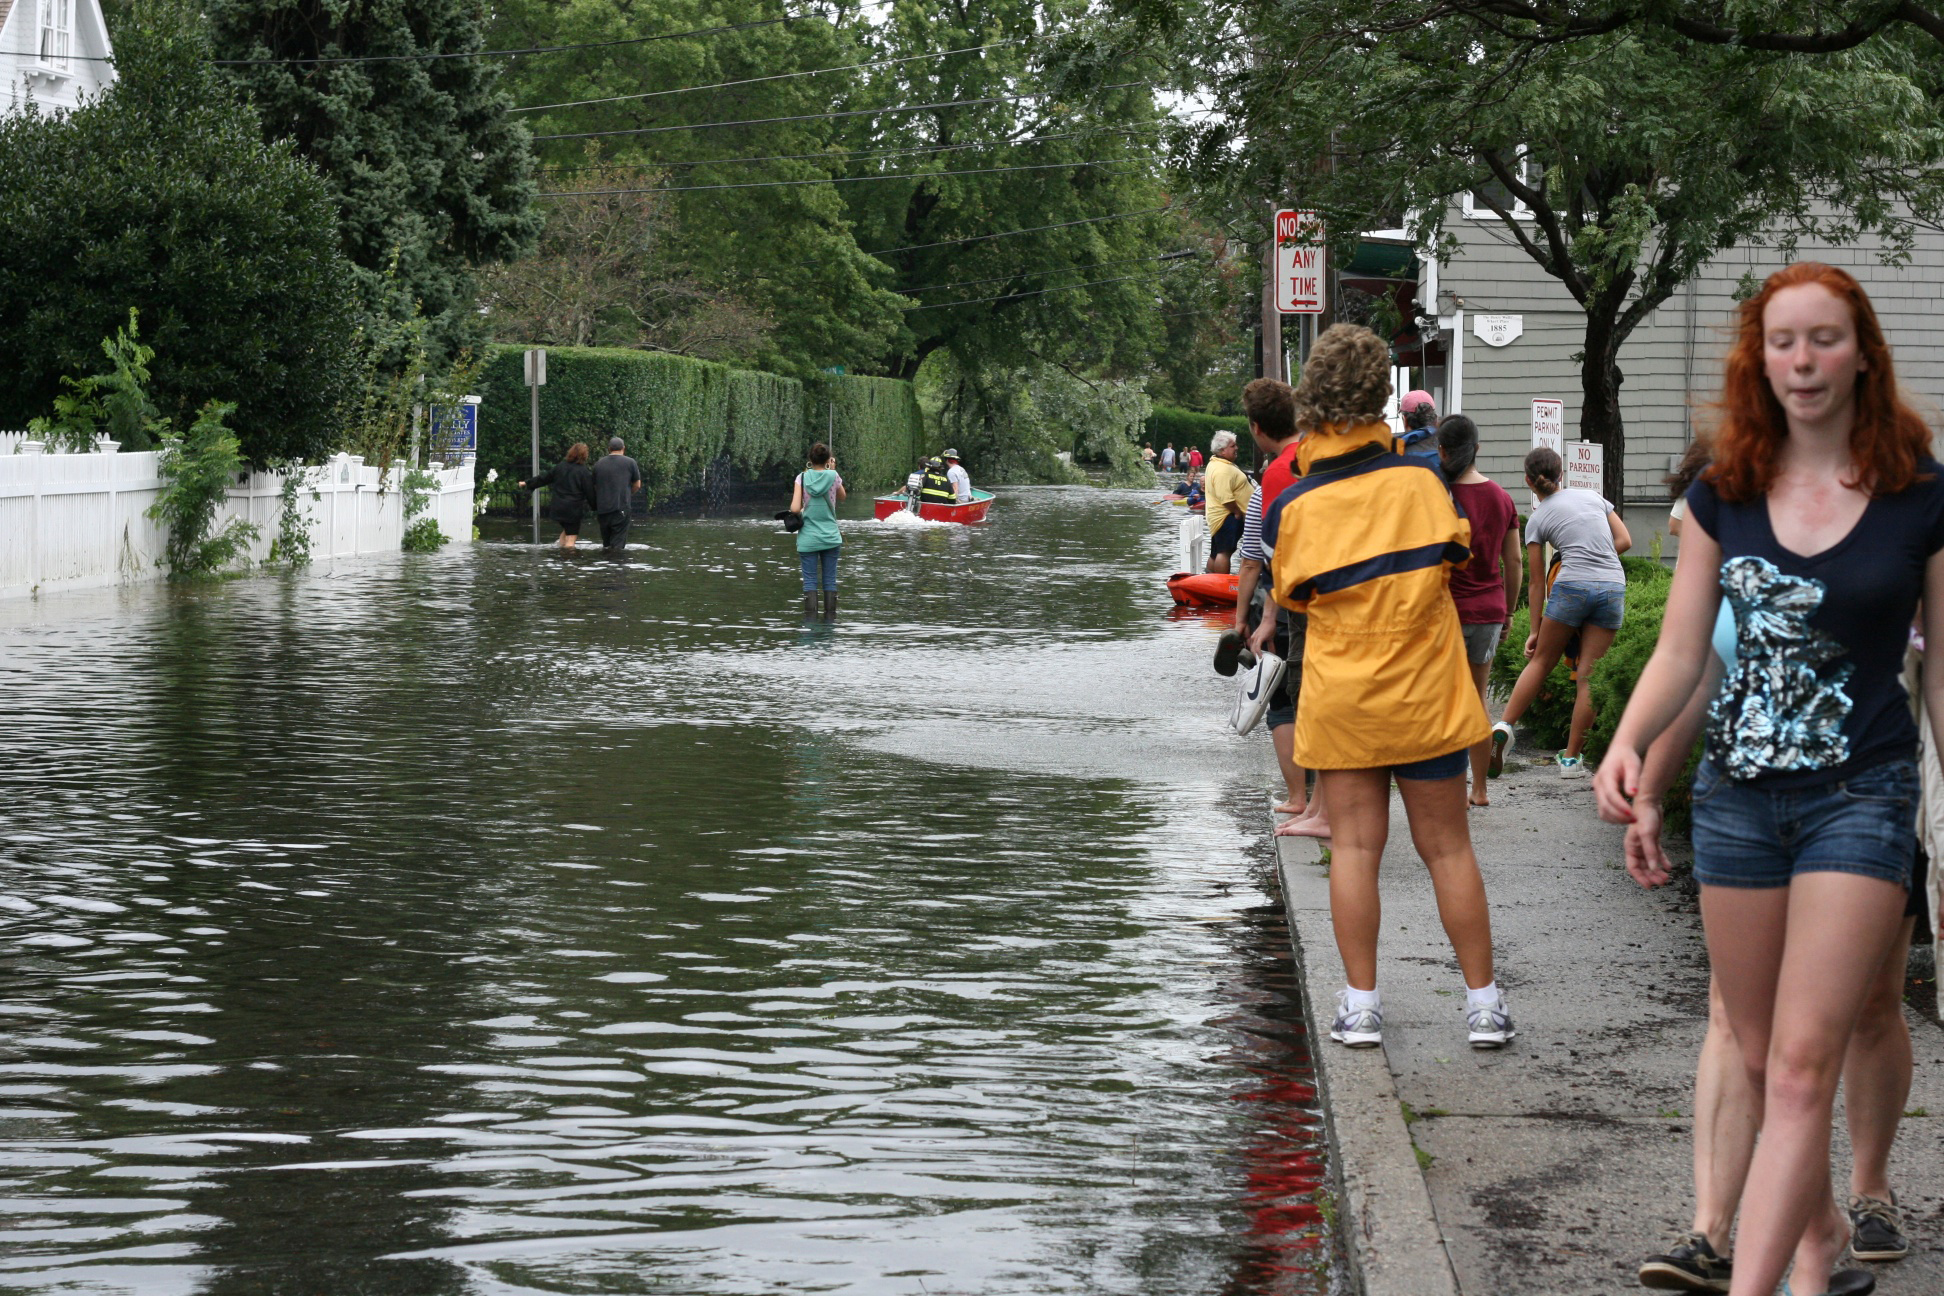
(1888, 438)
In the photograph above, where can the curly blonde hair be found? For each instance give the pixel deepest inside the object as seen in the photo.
(1345, 380)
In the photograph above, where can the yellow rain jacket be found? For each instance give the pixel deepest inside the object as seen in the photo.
(1365, 543)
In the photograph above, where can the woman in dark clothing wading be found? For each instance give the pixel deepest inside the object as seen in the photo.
(573, 492)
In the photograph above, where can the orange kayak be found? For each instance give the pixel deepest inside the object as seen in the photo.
(1207, 589)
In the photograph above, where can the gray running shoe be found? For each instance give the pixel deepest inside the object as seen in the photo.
(1877, 1229)
(1491, 1025)
(1691, 1265)
(1357, 1028)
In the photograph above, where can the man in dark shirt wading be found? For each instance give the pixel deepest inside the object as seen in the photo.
(616, 478)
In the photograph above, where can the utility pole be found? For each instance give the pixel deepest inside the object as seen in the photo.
(1270, 362)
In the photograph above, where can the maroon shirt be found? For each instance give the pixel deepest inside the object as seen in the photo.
(1478, 588)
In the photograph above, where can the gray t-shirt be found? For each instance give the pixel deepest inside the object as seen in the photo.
(1575, 523)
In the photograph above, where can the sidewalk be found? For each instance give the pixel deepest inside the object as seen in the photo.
(1559, 1163)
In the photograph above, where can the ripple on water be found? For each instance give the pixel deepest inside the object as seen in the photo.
(506, 922)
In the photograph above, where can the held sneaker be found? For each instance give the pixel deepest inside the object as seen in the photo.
(1228, 652)
(1501, 748)
(1571, 767)
(1691, 1265)
(1877, 1229)
(1491, 1024)
(1357, 1027)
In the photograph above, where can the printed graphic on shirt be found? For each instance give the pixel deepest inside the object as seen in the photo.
(1779, 709)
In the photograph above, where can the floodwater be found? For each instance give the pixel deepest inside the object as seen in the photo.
(493, 921)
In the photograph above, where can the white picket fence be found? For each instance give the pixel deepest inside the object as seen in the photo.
(77, 521)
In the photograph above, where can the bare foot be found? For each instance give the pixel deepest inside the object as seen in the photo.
(1308, 826)
(1478, 803)
(1292, 807)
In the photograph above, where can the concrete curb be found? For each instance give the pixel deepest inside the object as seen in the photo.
(1389, 1230)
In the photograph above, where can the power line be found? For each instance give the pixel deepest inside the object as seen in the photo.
(779, 76)
(1037, 292)
(825, 116)
(1180, 255)
(839, 155)
(785, 184)
(1030, 229)
(503, 53)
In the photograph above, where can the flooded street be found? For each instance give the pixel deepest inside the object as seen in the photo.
(496, 922)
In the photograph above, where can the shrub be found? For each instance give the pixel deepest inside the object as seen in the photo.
(1167, 423)
(681, 415)
(1549, 720)
(196, 471)
(163, 196)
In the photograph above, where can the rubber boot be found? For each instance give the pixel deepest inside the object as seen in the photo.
(809, 603)
(830, 605)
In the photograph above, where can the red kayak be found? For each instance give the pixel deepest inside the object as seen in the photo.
(972, 511)
(1208, 589)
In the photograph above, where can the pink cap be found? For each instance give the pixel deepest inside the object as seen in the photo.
(1416, 399)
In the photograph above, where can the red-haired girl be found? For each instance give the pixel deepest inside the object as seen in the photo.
(1821, 520)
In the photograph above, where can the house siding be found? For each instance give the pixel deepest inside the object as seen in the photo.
(22, 76)
(1671, 365)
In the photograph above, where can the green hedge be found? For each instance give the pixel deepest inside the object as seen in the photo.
(873, 425)
(1167, 423)
(679, 415)
(1548, 722)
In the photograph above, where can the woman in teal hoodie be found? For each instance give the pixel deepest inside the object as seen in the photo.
(818, 489)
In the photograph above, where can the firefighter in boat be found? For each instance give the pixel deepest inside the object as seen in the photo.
(937, 486)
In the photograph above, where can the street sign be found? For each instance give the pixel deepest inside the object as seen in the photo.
(1548, 423)
(536, 367)
(1585, 466)
(1301, 262)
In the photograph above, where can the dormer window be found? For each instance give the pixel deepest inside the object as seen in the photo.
(56, 33)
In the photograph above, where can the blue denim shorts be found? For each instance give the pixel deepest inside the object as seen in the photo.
(1746, 835)
(1438, 767)
(1578, 603)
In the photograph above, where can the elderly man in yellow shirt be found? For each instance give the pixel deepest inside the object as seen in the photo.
(1226, 488)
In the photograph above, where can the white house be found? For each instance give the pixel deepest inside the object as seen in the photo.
(53, 52)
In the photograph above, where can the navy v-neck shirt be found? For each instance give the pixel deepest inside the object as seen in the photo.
(1816, 691)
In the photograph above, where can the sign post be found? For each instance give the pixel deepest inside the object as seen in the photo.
(1302, 262)
(1585, 466)
(536, 378)
(1548, 424)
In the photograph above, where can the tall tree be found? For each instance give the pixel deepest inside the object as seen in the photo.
(730, 102)
(1620, 163)
(393, 103)
(163, 197)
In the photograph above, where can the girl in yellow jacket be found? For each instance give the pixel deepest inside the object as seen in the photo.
(1365, 543)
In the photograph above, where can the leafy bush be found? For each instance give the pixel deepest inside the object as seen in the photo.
(423, 536)
(113, 405)
(1167, 423)
(163, 196)
(879, 429)
(292, 546)
(680, 415)
(196, 471)
(1549, 720)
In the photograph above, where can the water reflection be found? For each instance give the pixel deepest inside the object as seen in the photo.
(503, 921)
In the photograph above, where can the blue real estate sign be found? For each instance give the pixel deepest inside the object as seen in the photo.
(455, 431)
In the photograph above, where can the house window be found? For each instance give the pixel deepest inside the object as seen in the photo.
(56, 32)
(1479, 202)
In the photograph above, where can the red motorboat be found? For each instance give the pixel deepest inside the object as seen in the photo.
(932, 511)
(1204, 589)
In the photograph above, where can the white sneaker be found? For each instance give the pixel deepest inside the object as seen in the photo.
(1358, 1027)
(1501, 748)
(1572, 767)
(1491, 1024)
